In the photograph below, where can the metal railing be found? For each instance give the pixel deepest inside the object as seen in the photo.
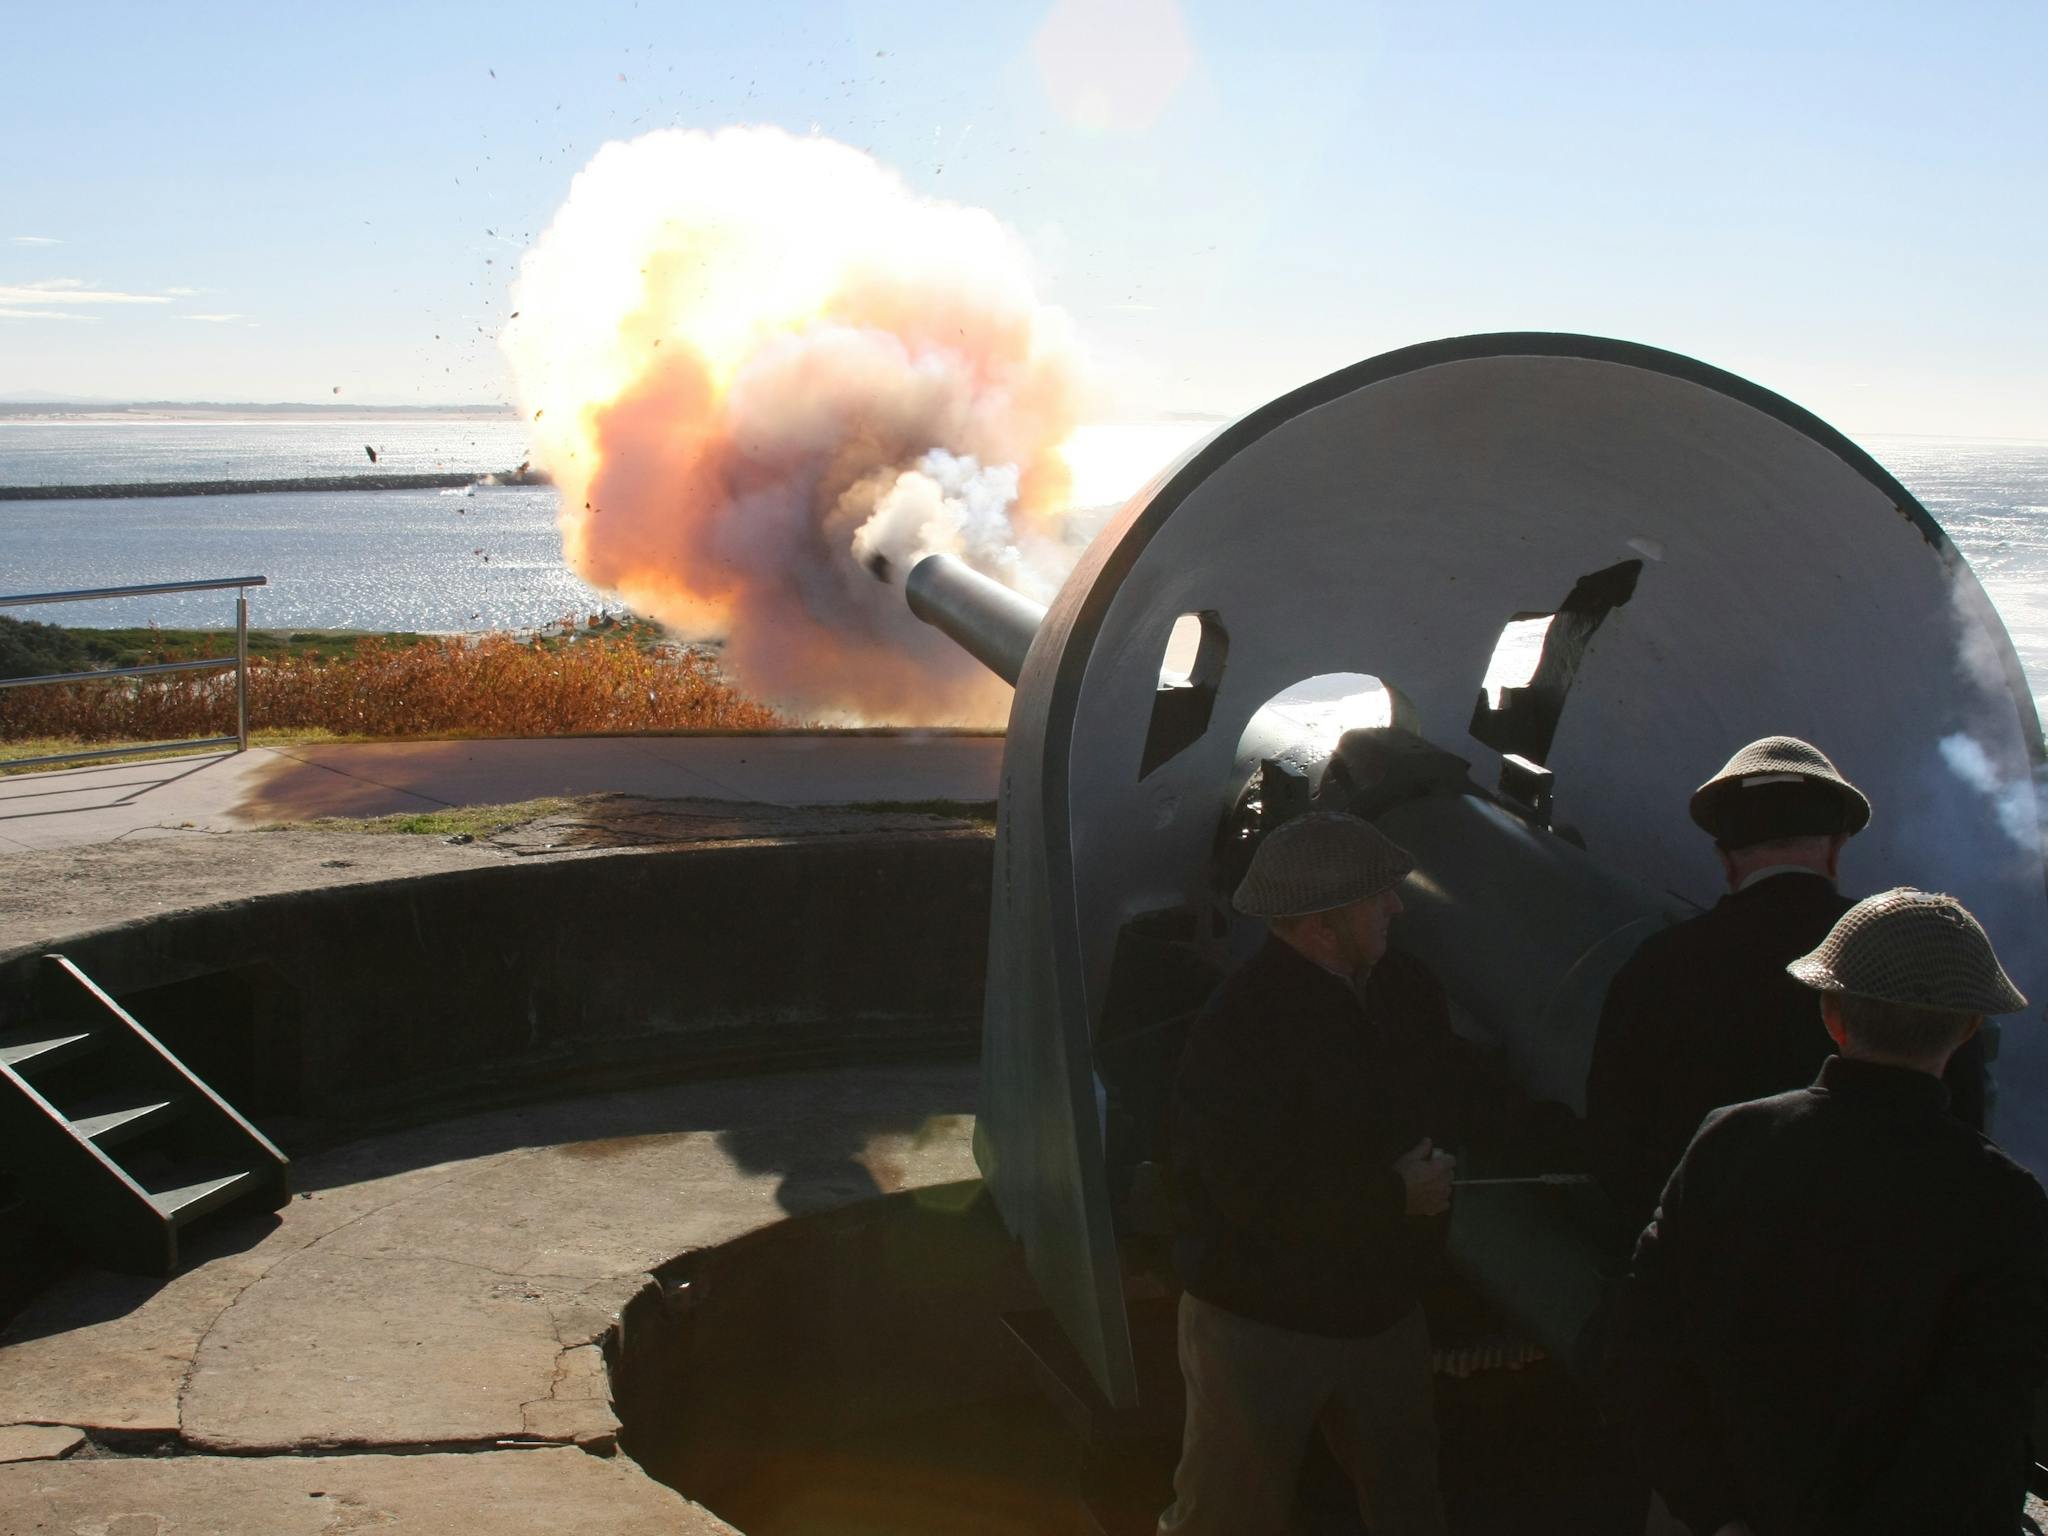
(239, 661)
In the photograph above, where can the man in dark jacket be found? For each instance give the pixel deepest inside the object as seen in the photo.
(1312, 1197)
(1838, 1319)
(1703, 1014)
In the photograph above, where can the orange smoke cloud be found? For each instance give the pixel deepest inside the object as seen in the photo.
(759, 369)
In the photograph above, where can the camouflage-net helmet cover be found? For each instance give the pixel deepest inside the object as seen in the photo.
(1317, 863)
(1918, 948)
(1778, 787)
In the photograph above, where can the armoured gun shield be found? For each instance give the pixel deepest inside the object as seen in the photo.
(1723, 566)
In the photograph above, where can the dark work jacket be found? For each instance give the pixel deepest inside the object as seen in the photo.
(1292, 1102)
(1702, 1015)
(1837, 1320)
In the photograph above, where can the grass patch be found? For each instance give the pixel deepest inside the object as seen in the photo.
(138, 646)
(29, 647)
(456, 821)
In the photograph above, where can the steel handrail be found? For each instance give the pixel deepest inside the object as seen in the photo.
(239, 661)
(86, 594)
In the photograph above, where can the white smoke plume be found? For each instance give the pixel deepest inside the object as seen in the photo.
(2012, 800)
(762, 372)
(1992, 689)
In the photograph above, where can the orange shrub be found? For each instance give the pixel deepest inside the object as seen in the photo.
(493, 686)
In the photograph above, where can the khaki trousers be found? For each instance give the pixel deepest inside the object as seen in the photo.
(1256, 1393)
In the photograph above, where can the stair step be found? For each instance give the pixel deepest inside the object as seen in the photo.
(189, 1202)
(108, 1125)
(47, 1051)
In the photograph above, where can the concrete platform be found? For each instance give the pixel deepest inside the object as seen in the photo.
(542, 1492)
(432, 1304)
(224, 792)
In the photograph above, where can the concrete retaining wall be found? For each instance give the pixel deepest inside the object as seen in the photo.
(346, 1007)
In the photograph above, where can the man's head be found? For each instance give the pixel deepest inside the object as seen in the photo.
(1326, 884)
(1905, 977)
(1779, 801)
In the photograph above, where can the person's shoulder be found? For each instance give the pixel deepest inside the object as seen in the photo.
(1796, 906)
(1402, 975)
(1786, 914)
(1761, 1117)
(1269, 968)
(1647, 965)
(1796, 888)
(1677, 943)
(1674, 936)
(1259, 983)
(1730, 1139)
(1997, 1201)
(2001, 1175)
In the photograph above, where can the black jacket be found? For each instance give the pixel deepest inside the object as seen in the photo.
(1292, 1102)
(1704, 1015)
(1838, 1318)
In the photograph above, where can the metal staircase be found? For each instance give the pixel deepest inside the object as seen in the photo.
(114, 1137)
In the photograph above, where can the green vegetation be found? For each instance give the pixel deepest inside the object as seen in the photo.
(644, 633)
(29, 648)
(457, 821)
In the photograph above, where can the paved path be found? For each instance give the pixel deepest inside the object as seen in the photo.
(431, 1305)
(265, 785)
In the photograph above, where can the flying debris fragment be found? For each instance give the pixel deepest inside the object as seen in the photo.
(371, 452)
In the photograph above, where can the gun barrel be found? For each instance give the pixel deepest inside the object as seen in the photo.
(983, 617)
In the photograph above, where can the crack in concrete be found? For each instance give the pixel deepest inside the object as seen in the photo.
(454, 1173)
(114, 1446)
(199, 1343)
(568, 1283)
(560, 1295)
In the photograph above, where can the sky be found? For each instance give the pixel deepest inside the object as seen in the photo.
(1847, 203)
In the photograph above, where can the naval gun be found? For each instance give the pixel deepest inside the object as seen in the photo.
(1717, 564)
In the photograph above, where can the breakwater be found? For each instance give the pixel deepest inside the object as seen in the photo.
(358, 482)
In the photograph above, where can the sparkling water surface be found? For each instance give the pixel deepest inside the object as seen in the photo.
(487, 557)
(90, 450)
(416, 560)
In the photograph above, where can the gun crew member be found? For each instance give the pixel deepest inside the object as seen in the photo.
(1312, 1192)
(1838, 1318)
(1704, 1013)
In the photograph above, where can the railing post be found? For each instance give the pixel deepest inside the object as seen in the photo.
(242, 668)
(239, 661)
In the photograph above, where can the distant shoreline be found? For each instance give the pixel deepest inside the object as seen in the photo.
(360, 482)
(199, 410)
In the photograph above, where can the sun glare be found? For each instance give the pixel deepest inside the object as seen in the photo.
(1111, 461)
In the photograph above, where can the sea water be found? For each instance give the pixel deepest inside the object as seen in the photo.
(462, 559)
(487, 557)
(155, 447)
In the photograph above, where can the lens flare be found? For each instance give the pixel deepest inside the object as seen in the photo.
(762, 372)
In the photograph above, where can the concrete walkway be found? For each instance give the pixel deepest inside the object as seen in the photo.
(413, 1342)
(266, 785)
